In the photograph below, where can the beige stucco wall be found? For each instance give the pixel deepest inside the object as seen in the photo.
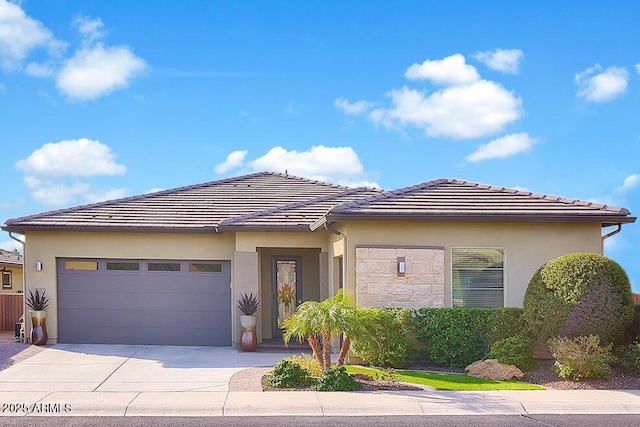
(16, 281)
(527, 245)
(47, 246)
(380, 284)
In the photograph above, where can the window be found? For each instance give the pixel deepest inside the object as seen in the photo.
(478, 277)
(164, 266)
(123, 266)
(205, 268)
(81, 265)
(6, 280)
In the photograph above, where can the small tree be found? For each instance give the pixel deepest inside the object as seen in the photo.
(327, 319)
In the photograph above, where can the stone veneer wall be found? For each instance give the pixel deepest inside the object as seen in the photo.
(379, 285)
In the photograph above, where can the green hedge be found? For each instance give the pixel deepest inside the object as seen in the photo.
(454, 337)
(394, 343)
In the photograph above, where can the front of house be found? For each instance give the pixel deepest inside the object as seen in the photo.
(167, 268)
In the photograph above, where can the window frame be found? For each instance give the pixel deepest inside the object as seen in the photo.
(7, 273)
(504, 271)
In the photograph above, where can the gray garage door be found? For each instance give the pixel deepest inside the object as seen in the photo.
(144, 302)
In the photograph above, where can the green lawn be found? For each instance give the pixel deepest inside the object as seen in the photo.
(447, 381)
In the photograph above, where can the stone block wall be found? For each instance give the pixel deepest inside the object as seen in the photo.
(378, 283)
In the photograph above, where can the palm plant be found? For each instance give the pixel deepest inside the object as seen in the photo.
(327, 319)
(39, 301)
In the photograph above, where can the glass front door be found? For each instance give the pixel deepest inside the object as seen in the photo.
(287, 289)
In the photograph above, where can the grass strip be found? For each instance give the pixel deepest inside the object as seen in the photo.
(445, 380)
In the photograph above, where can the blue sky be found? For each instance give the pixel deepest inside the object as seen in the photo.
(100, 100)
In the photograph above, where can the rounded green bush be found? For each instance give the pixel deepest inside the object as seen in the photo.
(288, 374)
(579, 294)
(516, 350)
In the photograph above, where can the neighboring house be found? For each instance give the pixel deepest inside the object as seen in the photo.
(11, 299)
(168, 267)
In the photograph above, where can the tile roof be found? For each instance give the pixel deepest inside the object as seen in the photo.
(455, 200)
(195, 208)
(7, 258)
(272, 201)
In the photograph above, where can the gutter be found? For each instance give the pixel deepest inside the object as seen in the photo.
(614, 232)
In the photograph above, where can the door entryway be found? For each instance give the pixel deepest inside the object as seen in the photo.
(287, 289)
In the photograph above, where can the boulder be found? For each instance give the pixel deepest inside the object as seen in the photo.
(491, 369)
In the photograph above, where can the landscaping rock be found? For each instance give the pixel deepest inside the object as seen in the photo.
(491, 369)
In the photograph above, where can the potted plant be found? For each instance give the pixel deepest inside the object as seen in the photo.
(248, 305)
(38, 302)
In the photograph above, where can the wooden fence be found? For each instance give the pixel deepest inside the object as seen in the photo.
(10, 311)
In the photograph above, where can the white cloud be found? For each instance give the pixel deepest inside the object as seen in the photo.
(638, 68)
(54, 193)
(98, 71)
(10, 245)
(233, 161)
(629, 183)
(358, 107)
(598, 85)
(466, 107)
(20, 35)
(90, 29)
(504, 60)
(40, 70)
(472, 111)
(502, 148)
(319, 162)
(451, 70)
(339, 165)
(78, 157)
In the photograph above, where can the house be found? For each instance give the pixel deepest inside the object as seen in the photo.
(11, 300)
(168, 267)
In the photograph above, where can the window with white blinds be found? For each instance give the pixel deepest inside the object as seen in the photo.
(478, 277)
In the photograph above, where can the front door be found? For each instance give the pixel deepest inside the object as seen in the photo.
(287, 289)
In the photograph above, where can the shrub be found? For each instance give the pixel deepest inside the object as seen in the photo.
(393, 344)
(308, 363)
(582, 357)
(287, 374)
(336, 378)
(579, 294)
(516, 350)
(510, 322)
(630, 358)
(632, 334)
(454, 337)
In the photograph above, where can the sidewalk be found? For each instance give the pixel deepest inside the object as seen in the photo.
(303, 403)
(100, 380)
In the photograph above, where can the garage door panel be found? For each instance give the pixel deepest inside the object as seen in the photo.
(138, 301)
(156, 336)
(140, 318)
(140, 307)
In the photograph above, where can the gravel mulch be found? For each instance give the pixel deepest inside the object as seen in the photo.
(546, 377)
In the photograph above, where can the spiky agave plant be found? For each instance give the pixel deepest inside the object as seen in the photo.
(248, 304)
(38, 301)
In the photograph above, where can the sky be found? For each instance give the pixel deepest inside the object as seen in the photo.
(102, 100)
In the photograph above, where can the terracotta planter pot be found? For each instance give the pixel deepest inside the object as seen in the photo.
(248, 336)
(38, 327)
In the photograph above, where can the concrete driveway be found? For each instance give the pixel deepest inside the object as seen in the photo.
(131, 368)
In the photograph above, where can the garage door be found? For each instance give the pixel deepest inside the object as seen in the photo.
(144, 302)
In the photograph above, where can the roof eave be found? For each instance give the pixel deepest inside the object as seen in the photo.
(605, 220)
(265, 228)
(132, 229)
